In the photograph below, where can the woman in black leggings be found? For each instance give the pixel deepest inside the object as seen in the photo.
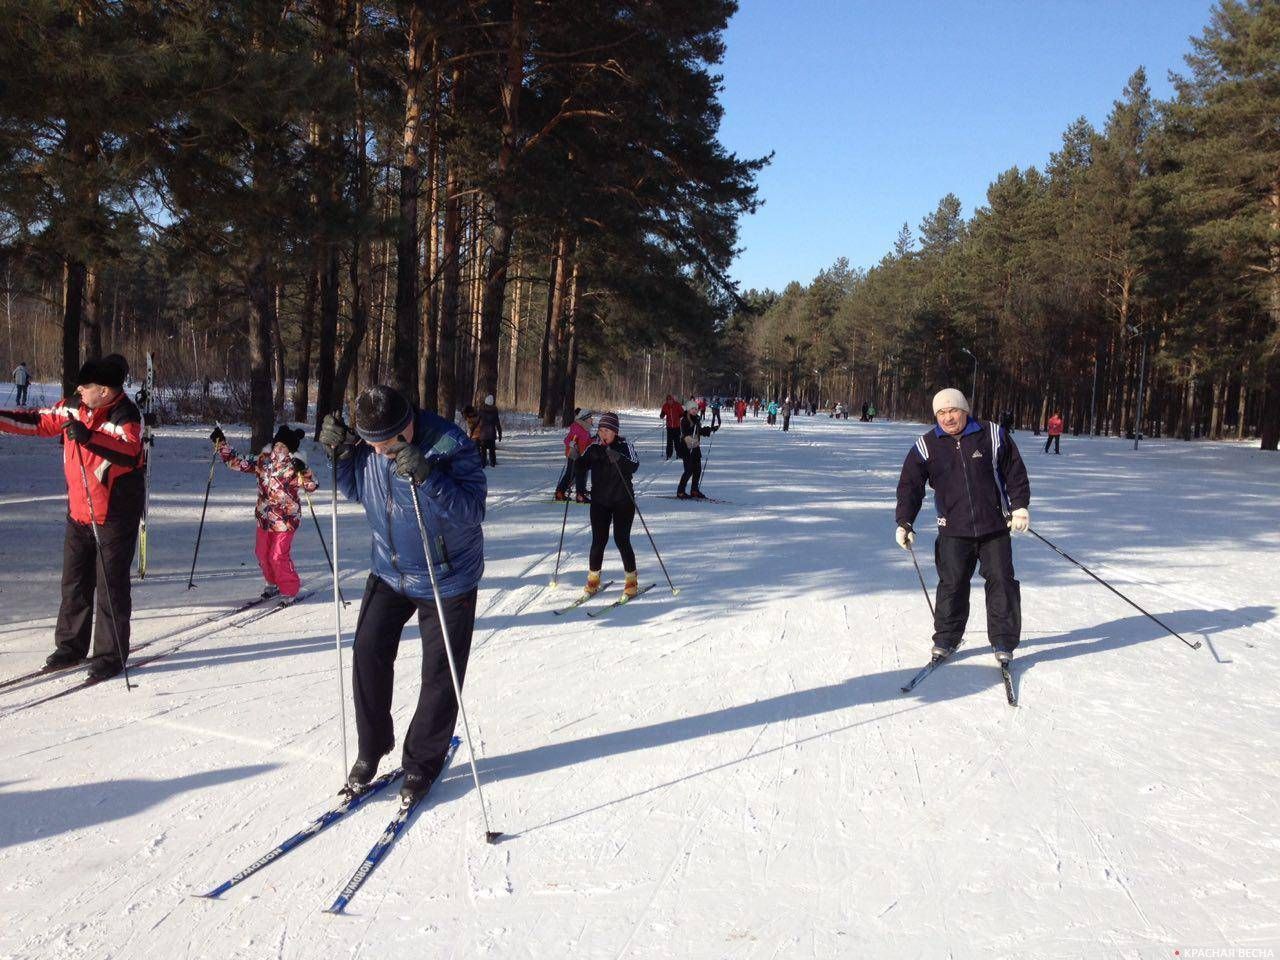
(611, 461)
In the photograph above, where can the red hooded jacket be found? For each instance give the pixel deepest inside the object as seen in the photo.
(112, 456)
(1055, 426)
(672, 411)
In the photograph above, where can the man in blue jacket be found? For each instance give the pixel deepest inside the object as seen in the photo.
(981, 492)
(394, 454)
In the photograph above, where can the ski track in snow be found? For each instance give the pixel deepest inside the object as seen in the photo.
(729, 773)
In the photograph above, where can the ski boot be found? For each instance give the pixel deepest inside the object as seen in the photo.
(104, 668)
(632, 586)
(697, 495)
(271, 591)
(361, 774)
(941, 651)
(561, 495)
(581, 498)
(681, 495)
(62, 658)
(593, 583)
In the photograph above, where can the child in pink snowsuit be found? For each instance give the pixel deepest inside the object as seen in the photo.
(281, 474)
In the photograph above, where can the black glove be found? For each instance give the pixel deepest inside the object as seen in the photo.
(337, 438)
(412, 464)
(299, 465)
(77, 431)
(612, 454)
(217, 437)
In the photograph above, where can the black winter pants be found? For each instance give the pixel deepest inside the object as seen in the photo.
(956, 558)
(1056, 440)
(85, 589)
(692, 469)
(22, 395)
(673, 434)
(569, 478)
(621, 518)
(489, 452)
(383, 614)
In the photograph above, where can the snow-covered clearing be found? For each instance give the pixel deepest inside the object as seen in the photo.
(729, 773)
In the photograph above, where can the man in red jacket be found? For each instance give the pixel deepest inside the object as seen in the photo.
(102, 459)
(672, 411)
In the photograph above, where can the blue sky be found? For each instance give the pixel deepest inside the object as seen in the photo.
(877, 108)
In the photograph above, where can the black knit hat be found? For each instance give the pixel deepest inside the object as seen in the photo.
(290, 438)
(108, 371)
(608, 421)
(382, 413)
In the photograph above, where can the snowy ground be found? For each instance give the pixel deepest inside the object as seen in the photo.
(730, 773)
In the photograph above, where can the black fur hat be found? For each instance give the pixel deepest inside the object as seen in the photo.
(290, 438)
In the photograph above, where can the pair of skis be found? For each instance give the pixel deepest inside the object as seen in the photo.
(933, 664)
(348, 801)
(86, 682)
(624, 599)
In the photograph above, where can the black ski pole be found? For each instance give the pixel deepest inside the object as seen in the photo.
(555, 577)
(1059, 552)
(337, 613)
(325, 546)
(490, 835)
(921, 576)
(102, 565)
(626, 486)
(705, 463)
(213, 462)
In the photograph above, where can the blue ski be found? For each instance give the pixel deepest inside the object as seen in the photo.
(349, 801)
(384, 842)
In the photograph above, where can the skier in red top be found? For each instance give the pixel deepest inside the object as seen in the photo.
(103, 461)
(672, 411)
(1055, 433)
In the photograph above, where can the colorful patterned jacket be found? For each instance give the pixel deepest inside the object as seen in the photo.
(279, 508)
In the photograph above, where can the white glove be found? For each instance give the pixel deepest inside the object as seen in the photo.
(905, 537)
(1020, 521)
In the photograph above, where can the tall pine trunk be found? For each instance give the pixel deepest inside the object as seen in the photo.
(404, 362)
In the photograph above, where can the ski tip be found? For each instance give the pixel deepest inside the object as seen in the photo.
(492, 836)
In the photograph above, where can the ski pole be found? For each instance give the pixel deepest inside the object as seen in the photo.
(1055, 549)
(337, 612)
(705, 462)
(490, 835)
(320, 533)
(555, 577)
(213, 461)
(102, 564)
(626, 486)
(921, 576)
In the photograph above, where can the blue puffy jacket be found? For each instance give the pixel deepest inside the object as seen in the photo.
(452, 502)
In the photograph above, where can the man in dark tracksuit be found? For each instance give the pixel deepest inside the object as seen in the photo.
(102, 449)
(395, 454)
(981, 492)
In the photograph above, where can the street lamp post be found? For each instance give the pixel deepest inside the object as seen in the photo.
(973, 396)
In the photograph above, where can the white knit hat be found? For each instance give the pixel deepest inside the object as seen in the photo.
(489, 399)
(950, 397)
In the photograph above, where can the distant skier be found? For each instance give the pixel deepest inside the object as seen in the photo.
(787, 409)
(871, 412)
(1054, 427)
(740, 409)
(981, 493)
(865, 406)
(21, 382)
(282, 475)
(715, 411)
(838, 412)
(103, 435)
(575, 441)
(755, 407)
(772, 413)
(690, 448)
(394, 455)
(670, 414)
(611, 461)
(490, 431)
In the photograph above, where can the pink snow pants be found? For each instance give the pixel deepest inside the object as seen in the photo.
(275, 561)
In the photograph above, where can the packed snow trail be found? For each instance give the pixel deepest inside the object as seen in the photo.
(732, 772)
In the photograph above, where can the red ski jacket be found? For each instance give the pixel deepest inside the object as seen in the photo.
(112, 456)
(577, 432)
(1055, 426)
(672, 411)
